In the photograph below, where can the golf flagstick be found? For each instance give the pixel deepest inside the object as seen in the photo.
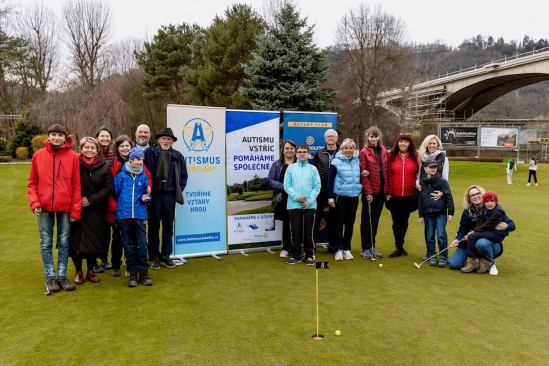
(319, 265)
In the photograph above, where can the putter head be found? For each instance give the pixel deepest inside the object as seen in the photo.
(373, 259)
(417, 265)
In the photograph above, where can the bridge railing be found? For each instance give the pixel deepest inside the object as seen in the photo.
(505, 59)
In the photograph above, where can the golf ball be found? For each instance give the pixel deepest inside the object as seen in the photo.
(380, 265)
(338, 333)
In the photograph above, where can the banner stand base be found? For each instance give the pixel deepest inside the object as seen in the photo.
(217, 257)
(270, 251)
(180, 261)
(244, 254)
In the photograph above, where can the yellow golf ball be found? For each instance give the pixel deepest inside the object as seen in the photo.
(380, 265)
(338, 333)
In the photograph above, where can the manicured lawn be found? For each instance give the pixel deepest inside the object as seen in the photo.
(256, 310)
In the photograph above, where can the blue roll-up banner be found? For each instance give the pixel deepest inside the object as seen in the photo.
(309, 128)
(252, 147)
(200, 224)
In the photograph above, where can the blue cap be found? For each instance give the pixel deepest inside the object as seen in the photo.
(136, 153)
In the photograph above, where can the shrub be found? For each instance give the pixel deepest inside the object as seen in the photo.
(3, 146)
(24, 132)
(38, 142)
(5, 159)
(22, 153)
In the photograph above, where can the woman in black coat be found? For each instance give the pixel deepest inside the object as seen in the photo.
(86, 238)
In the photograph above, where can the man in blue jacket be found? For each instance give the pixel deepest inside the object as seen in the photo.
(302, 184)
(169, 178)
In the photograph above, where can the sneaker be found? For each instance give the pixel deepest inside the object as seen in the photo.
(470, 265)
(404, 252)
(367, 254)
(396, 253)
(293, 261)
(536, 184)
(155, 264)
(433, 261)
(284, 253)
(51, 285)
(105, 265)
(339, 255)
(116, 272)
(133, 279)
(376, 253)
(97, 269)
(167, 262)
(310, 262)
(484, 265)
(65, 284)
(442, 261)
(425, 257)
(145, 279)
(493, 270)
(528, 184)
(347, 255)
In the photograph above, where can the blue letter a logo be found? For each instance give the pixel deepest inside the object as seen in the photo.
(198, 134)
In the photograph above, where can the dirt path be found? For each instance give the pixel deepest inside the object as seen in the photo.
(238, 206)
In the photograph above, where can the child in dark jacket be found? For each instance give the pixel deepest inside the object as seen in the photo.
(130, 192)
(491, 215)
(434, 212)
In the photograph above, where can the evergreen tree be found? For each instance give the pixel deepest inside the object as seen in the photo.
(227, 44)
(288, 69)
(24, 132)
(163, 59)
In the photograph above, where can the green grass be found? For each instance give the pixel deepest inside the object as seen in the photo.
(256, 310)
(251, 196)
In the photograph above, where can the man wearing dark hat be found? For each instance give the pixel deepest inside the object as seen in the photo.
(169, 178)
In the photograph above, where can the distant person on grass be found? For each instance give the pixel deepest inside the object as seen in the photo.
(532, 171)
(54, 191)
(302, 184)
(434, 212)
(509, 168)
(169, 176)
(130, 191)
(322, 161)
(471, 218)
(87, 234)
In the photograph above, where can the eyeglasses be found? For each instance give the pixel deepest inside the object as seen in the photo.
(474, 195)
(302, 152)
(331, 137)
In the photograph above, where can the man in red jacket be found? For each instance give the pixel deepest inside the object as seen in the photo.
(54, 190)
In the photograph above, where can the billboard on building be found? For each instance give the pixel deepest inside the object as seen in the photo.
(498, 137)
(459, 136)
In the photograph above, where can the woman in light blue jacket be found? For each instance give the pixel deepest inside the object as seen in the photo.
(343, 190)
(302, 184)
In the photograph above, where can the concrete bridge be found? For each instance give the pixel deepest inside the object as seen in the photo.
(460, 94)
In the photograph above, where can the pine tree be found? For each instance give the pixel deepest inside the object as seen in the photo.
(228, 43)
(288, 69)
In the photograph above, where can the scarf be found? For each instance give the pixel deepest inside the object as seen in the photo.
(88, 165)
(134, 169)
(163, 169)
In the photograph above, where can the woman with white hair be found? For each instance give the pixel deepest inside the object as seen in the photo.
(344, 187)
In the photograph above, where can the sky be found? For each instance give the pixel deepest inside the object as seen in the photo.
(426, 20)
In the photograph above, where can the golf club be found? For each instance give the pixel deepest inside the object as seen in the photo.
(516, 176)
(418, 266)
(371, 232)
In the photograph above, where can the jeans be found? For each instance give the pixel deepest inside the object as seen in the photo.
(473, 238)
(46, 221)
(134, 240)
(345, 218)
(161, 208)
(485, 249)
(438, 224)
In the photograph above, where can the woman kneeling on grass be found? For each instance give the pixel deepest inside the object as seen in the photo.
(344, 187)
(472, 217)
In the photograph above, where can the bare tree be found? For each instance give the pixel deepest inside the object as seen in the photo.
(36, 25)
(369, 47)
(88, 25)
(272, 7)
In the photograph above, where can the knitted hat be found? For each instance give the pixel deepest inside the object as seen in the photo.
(490, 196)
(136, 153)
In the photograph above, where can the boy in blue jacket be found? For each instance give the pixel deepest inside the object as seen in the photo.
(302, 184)
(434, 212)
(130, 191)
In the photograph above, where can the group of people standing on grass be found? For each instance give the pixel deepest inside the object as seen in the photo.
(403, 180)
(107, 191)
